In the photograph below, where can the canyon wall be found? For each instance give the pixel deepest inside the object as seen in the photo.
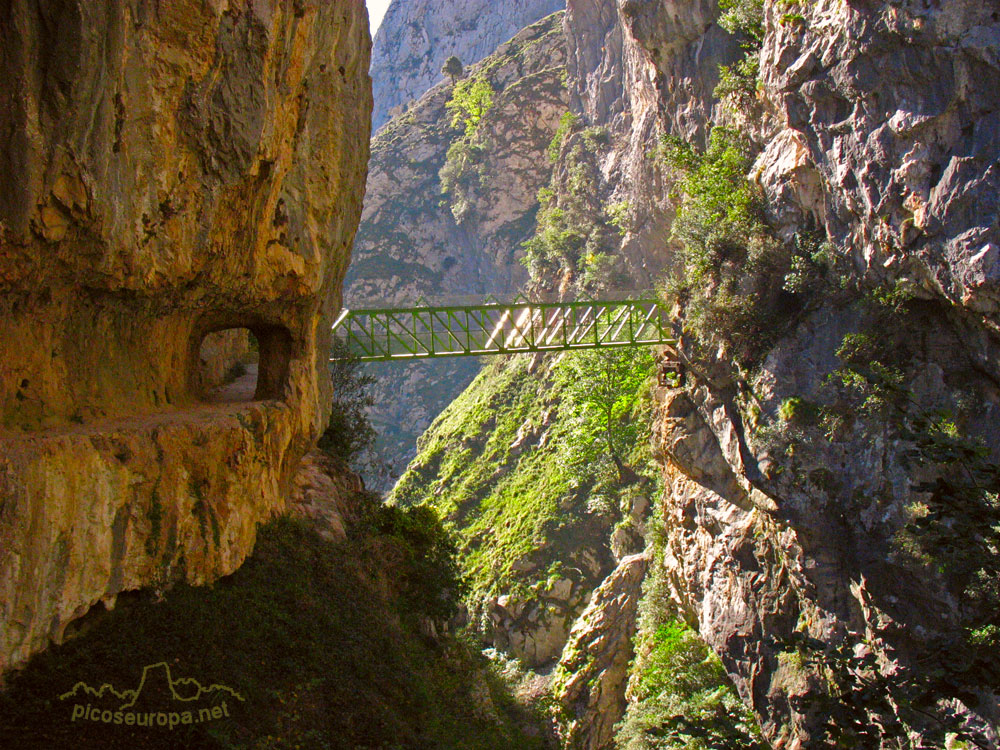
(417, 36)
(172, 171)
(794, 480)
(876, 126)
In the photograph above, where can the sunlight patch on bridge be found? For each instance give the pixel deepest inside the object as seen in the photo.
(497, 328)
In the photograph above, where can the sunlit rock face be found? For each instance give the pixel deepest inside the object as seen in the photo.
(417, 36)
(170, 170)
(885, 129)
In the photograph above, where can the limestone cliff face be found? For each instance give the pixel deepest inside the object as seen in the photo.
(171, 170)
(642, 68)
(906, 179)
(410, 243)
(879, 127)
(417, 36)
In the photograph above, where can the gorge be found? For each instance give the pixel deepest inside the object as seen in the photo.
(782, 532)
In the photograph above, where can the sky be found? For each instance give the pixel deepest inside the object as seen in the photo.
(376, 9)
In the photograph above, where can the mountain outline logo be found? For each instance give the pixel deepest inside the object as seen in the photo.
(158, 700)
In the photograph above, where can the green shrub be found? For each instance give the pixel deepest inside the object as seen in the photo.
(682, 699)
(738, 82)
(470, 100)
(619, 216)
(462, 171)
(567, 123)
(798, 411)
(744, 17)
(730, 266)
(461, 175)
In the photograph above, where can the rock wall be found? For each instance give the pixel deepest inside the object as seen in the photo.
(878, 127)
(875, 123)
(593, 671)
(641, 69)
(410, 243)
(172, 170)
(417, 36)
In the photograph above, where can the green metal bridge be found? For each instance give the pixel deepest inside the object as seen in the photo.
(382, 334)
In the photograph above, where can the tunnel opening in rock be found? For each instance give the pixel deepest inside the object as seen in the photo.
(242, 364)
(229, 366)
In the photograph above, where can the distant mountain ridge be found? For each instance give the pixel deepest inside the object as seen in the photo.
(417, 36)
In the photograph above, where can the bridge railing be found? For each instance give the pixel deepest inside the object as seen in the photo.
(379, 334)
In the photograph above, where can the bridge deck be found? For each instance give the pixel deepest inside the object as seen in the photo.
(420, 332)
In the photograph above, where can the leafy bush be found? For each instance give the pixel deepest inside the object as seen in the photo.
(738, 83)
(619, 215)
(470, 100)
(461, 175)
(430, 582)
(798, 411)
(682, 699)
(744, 17)
(730, 266)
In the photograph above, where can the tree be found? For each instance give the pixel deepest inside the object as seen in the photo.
(609, 383)
(470, 101)
(350, 437)
(453, 68)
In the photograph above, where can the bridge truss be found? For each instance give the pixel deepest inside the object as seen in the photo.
(374, 335)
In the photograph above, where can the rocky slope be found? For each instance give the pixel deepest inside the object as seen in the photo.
(170, 172)
(828, 443)
(779, 522)
(417, 36)
(410, 242)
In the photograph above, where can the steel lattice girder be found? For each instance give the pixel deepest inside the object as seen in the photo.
(476, 330)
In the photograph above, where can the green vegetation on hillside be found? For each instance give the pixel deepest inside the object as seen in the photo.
(576, 232)
(470, 100)
(736, 283)
(325, 642)
(518, 464)
(738, 82)
(727, 252)
(462, 171)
